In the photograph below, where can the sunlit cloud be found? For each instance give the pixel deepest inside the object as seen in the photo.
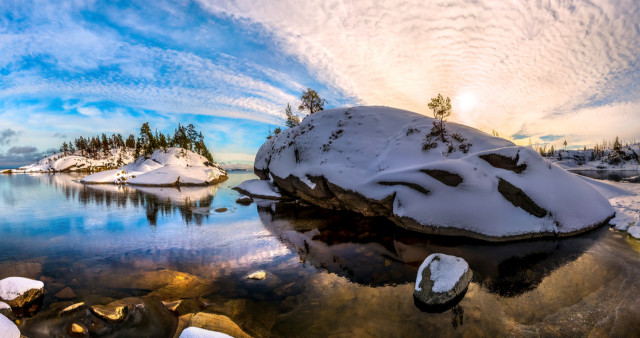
(527, 64)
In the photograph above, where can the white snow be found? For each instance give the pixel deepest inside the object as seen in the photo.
(196, 332)
(4, 305)
(357, 148)
(77, 162)
(162, 168)
(634, 231)
(260, 188)
(8, 329)
(12, 287)
(446, 271)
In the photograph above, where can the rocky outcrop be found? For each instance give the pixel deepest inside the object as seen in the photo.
(494, 191)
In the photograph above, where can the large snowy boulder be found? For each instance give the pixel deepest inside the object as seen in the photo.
(19, 292)
(371, 160)
(441, 279)
(174, 167)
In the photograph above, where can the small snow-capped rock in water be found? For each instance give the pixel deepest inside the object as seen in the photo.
(441, 278)
(245, 200)
(19, 292)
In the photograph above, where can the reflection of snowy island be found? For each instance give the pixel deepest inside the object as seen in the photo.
(175, 167)
(371, 160)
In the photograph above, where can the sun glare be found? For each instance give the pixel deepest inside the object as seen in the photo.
(466, 102)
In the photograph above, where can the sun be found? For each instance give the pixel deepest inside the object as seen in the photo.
(466, 102)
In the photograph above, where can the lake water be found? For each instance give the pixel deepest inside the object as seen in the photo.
(329, 274)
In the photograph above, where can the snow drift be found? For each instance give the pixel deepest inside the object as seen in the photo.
(371, 160)
(174, 167)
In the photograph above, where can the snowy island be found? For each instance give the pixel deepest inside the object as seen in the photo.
(173, 167)
(380, 161)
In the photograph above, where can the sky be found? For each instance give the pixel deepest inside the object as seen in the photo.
(532, 71)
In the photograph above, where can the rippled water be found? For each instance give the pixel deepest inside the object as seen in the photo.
(328, 273)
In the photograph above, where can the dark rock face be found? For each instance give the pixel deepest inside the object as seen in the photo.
(450, 179)
(518, 198)
(504, 162)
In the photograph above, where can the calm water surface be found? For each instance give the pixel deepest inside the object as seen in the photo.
(331, 274)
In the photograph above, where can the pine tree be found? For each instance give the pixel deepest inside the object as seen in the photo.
(617, 146)
(311, 101)
(441, 110)
(292, 120)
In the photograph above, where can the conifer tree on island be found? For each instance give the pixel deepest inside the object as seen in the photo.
(311, 101)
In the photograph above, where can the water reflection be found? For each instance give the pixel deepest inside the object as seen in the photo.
(374, 252)
(610, 175)
(191, 203)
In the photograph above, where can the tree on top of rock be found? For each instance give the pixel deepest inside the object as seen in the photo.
(311, 101)
(441, 110)
(292, 120)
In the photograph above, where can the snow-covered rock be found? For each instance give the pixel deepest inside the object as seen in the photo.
(244, 200)
(78, 162)
(441, 278)
(371, 160)
(196, 332)
(259, 189)
(176, 167)
(18, 292)
(634, 231)
(8, 329)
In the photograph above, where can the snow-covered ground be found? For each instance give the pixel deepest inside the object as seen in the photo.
(377, 153)
(176, 166)
(77, 162)
(260, 189)
(625, 199)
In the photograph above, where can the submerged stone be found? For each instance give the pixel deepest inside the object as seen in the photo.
(258, 275)
(77, 329)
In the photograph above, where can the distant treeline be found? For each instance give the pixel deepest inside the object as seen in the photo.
(183, 137)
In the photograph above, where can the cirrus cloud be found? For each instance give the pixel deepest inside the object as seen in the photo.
(526, 62)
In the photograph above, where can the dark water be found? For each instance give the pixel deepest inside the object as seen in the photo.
(611, 175)
(329, 274)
